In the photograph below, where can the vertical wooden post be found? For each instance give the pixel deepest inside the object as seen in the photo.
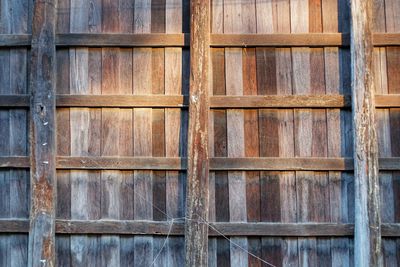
(196, 232)
(43, 141)
(367, 244)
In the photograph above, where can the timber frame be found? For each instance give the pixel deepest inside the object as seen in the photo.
(43, 162)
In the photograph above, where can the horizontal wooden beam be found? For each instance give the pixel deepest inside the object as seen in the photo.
(389, 164)
(386, 39)
(281, 229)
(14, 101)
(151, 101)
(390, 229)
(123, 40)
(282, 164)
(120, 227)
(280, 40)
(183, 40)
(176, 227)
(226, 228)
(121, 163)
(281, 101)
(15, 162)
(387, 101)
(14, 226)
(216, 102)
(15, 40)
(216, 164)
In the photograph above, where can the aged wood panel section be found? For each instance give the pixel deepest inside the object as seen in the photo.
(233, 23)
(196, 231)
(175, 129)
(393, 62)
(14, 183)
(63, 243)
(142, 74)
(43, 142)
(367, 238)
(114, 131)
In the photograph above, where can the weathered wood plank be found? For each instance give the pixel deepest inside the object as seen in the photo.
(219, 149)
(143, 180)
(175, 129)
(270, 101)
(121, 40)
(122, 101)
(183, 40)
(367, 240)
(14, 162)
(126, 191)
(112, 134)
(5, 251)
(145, 227)
(217, 163)
(196, 240)
(63, 243)
(15, 40)
(43, 142)
(280, 40)
(387, 101)
(281, 101)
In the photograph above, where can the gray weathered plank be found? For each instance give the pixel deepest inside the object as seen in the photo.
(367, 240)
(43, 142)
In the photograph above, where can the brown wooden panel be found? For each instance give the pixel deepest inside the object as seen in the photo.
(289, 101)
(280, 39)
(387, 101)
(123, 40)
(182, 40)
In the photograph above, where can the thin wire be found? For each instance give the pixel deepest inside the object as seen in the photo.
(165, 242)
(172, 219)
(209, 225)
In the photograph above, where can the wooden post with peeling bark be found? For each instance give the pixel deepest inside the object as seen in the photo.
(43, 142)
(367, 244)
(196, 231)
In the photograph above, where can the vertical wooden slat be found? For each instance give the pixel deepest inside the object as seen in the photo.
(196, 231)
(126, 191)
(300, 15)
(43, 141)
(85, 79)
(233, 23)
(142, 76)
(174, 130)
(158, 25)
(63, 243)
(217, 139)
(5, 139)
(367, 247)
(112, 131)
(220, 150)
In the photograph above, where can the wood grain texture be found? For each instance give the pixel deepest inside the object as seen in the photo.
(143, 197)
(235, 129)
(182, 40)
(198, 166)
(43, 174)
(367, 220)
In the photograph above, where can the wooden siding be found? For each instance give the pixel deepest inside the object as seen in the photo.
(281, 183)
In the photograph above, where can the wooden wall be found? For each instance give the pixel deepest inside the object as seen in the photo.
(138, 132)
(281, 196)
(285, 197)
(15, 18)
(387, 63)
